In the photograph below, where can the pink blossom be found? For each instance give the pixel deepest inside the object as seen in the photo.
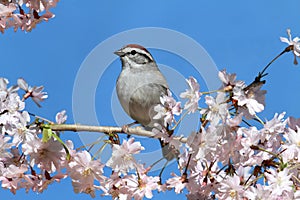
(227, 79)
(84, 171)
(279, 182)
(228, 145)
(203, 144)
(198, 196)
(16, 126)
(250, 137)
(113, 184)
(36, 92)
(9, 98)
(276, 125)
(48, 155)
(217, 108)
(292, 146)
(12, 177)
(253, 98)
(293, 137)
(61, 117)
(193, 95)
(295, 43)
(122, 159)
(141, 186)
(258, 192)
(7, 10)
(167, 109)
(177, 182)
(293, 122)
(4, 146)
(272, 130)
(206, 144)
(230, 188)
(28, 14)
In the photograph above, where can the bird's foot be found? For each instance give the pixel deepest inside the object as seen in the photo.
(126, 127)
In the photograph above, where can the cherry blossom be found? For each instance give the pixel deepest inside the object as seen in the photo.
(258, 192)
(12, 177)
(48, 155)
(292, 146)
(280, 183)
(207, 142)
(293, 137)
(294, 43)
(4, 146)
(227, 79)
(250, 137)
(293, 122)
(230, 188)
(36, 92)
(252, 98)
(141, 186)
(6, 11)
(13, 14)
(276, 125)
(113, 185)
(193, 95)
(61, 117)
(122, 159)
(83, 171)
(272, 130)
(18, 127)
(167, 109)
(10, 101)
(217, 108)
(177, 182)
(198, 196)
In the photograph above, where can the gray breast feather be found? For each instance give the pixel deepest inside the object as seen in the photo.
(143, 101)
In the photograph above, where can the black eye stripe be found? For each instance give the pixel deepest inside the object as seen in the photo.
(134, 52)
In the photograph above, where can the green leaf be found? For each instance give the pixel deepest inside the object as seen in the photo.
(47, 133)
(64, 145)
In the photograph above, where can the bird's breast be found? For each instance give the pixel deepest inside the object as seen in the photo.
(138, 93)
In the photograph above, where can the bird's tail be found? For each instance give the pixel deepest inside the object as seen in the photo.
(169, 152)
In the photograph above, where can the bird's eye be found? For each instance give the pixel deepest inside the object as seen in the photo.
(133, 52)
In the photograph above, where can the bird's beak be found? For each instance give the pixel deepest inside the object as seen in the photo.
(119, 52)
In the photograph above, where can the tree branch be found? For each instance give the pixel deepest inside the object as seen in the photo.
(107, 129)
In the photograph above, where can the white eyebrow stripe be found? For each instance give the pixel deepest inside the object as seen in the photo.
(140, 51)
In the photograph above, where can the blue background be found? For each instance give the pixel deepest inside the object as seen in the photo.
(240, 36)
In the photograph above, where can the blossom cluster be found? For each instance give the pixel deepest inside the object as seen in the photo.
(227, 158)
(24, 14)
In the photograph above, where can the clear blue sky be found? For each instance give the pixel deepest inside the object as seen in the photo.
(240, 36)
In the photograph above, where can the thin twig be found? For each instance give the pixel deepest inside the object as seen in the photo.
(107, 129)
(262, 74)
